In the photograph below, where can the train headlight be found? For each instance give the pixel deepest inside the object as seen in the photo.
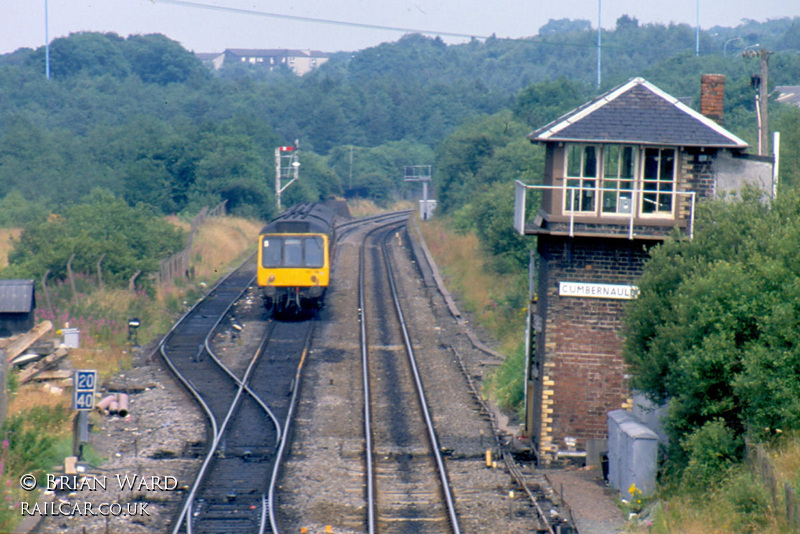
(314, 279)
(271, 278)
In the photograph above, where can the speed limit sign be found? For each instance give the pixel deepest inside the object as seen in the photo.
(84, 386)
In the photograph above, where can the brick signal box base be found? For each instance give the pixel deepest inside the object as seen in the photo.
(578, 374)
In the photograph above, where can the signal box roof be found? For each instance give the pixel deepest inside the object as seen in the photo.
(637, 112)
(302, 219)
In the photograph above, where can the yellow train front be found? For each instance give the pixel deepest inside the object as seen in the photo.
(294, 257)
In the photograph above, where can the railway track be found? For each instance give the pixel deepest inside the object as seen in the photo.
(236, 489)
(249, 416)
(406, 479)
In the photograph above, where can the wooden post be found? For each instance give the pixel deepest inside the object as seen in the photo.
(100, 272)
(47, 294)
(3, 386)
(132, 282)
(72, 277)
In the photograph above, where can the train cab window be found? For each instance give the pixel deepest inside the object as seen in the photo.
(271, 252)
(293, 252)
(315, 256)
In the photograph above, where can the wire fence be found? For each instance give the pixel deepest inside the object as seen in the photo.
(179, 263)
(783, 496)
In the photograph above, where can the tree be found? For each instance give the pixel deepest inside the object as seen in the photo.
(540, 103)
(132, 239)
(157, 59)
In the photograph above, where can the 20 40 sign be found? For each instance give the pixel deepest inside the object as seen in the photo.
(84, 387)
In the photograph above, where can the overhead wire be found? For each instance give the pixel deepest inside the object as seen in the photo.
(363, 25)
(316, 19)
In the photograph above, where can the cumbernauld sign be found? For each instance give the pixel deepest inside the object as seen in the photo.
(597, 291)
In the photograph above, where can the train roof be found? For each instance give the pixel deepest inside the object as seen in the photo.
(309, 218)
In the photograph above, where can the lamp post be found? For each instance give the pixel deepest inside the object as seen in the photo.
(725, 46)
(697, 32)
(46, 42)
(599, 12)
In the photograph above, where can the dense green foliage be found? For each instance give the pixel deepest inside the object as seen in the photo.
(144, 119)
(715, 328)
(128, 240)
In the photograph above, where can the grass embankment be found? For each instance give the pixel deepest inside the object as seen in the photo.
(497, 302)
(38, 433)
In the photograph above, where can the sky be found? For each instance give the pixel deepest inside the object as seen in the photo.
(338, 25)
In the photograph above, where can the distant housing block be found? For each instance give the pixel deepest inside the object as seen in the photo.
(299, 61)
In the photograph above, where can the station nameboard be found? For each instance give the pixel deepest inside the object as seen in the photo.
(597, 291)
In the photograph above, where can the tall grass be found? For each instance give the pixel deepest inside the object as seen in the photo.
(497, 302)
(786, 459)
(6, 234)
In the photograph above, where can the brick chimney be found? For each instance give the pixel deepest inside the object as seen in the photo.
(712, 92)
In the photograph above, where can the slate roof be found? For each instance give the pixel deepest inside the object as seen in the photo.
(16, 296)
(637, 112)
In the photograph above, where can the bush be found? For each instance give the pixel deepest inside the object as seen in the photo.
(711, 451)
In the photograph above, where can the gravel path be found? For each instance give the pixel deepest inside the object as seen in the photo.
(593, 504)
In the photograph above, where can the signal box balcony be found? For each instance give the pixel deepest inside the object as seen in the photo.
(635, 213)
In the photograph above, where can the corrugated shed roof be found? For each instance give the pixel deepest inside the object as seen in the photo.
(788, 94)
(640, 113)
(16, 296)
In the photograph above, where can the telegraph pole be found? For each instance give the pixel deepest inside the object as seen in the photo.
(763, 100)
(760, 83)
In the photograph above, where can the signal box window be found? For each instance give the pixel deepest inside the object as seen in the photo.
(618, 176)
(658, 180)
(581, 178)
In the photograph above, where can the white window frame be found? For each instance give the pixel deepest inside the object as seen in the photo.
(581, 188)
(656, 190)
(589, 191)
(622, 195)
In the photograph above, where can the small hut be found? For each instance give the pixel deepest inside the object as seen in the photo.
(17, 303)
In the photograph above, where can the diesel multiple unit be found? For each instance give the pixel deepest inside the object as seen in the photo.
(294, 258)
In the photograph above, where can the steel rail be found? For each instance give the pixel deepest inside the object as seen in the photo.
(217, 430)
(270, 500)
(431, 432)
(242, 382)
(362, 319)
(243, 386)
(161, 348)
(445, 483)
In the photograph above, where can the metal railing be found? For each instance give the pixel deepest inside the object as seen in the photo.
(638, 197)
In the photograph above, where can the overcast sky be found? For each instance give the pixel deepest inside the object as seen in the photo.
(351, 25)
